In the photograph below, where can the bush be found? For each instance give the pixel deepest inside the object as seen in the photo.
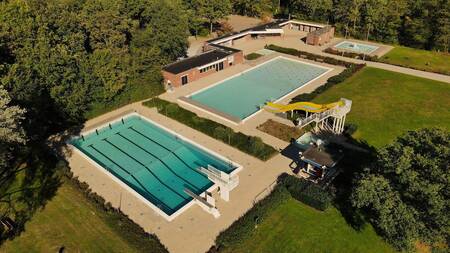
(341, 77)
(252, 56)
(251, 145)
(246, 224)
(352, 55)
(307, 192)
(350, 129)
(309, 56)
(117, 220)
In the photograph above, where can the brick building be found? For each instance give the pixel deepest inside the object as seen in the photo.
(214, 59)
(320, 36)
(218, 53)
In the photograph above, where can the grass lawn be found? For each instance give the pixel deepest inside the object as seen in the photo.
(386, 104)
(296, 227)
(70, 220)
(419, 59)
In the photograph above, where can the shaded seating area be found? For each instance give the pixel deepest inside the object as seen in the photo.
(315, 160)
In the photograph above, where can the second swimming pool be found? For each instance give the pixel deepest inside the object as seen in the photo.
(357, 47)
(243, 95)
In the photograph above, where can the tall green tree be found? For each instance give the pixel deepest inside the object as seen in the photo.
(441, 35)
(373, 10)
(255, 8)
(213, 10)
(317, 10)
(11, 117)
(407, 191)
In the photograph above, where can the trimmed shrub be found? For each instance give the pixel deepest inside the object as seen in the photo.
(352, 55)
(117, 220)
(307, 192)
(350, 129)
(309, 56)
(249, 144)
(341, 77)
(252, 56)
(247, 224)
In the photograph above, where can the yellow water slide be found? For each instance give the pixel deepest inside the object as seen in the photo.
(303, 106)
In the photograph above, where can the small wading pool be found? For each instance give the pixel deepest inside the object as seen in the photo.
(155, 163)
(242, 95)
(356, 47)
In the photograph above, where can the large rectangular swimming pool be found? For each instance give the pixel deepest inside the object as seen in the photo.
(243, 95)
(155, 163)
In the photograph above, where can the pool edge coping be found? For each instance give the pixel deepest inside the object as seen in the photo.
(180, 99)
(158, 211)
(353, 51)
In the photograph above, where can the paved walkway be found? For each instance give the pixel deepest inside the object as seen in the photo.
(195, 230)
(292, 39)
(249, 126)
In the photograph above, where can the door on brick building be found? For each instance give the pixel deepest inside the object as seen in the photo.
(184, 80)
(220, 66)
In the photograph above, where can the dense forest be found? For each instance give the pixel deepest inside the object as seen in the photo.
(61, 58)
(415, 23)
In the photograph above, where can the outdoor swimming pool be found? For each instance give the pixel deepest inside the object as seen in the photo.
(242, 95)
(357, 47)
(157, 164)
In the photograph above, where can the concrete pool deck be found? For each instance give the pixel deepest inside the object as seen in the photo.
(293, 39)
(380, 51)
(249, 125)
(194, 230)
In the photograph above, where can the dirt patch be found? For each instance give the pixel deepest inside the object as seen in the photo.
(280, 130)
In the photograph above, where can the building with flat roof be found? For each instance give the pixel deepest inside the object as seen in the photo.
(214, 59)
(218, 53)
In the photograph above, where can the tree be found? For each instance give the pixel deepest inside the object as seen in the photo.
(407, 191)
(373, 9)
(317, 10)
(213, 10)
(11, 133)
(442, 27)
(10, 120)
(254, 8)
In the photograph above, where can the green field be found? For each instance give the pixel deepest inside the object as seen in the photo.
(296, 227)
(419, 59)
(69, 220)
(386, 104)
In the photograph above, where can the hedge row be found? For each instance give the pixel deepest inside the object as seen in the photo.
(249, 144)
(309, 56)
(339, 78)
(307, 192)
(253, 56)
(130, 231)
(352, 55)
(246, 224)
(287, 186)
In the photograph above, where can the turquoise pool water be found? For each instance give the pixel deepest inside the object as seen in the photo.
(242, 95)
(356, 47)
(152, 161)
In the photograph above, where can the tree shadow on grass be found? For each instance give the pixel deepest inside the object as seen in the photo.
(27, 188)
(352, 165)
